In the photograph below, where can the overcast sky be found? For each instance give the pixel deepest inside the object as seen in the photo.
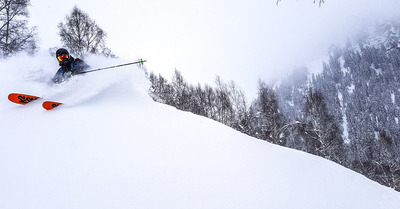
(240, 40)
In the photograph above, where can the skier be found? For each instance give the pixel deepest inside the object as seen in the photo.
(68, 66)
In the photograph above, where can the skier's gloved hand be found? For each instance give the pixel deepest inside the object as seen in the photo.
(67, 74)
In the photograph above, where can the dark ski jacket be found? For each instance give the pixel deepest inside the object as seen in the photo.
(72, 67)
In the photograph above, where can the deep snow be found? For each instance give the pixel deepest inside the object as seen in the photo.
(111, 146)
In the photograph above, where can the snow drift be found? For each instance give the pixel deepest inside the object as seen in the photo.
(111, 146)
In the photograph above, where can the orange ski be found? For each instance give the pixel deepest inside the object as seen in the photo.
(21, 98)
(49, 105)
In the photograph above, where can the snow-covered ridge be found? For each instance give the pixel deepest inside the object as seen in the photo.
(111, 146)
(383, 32)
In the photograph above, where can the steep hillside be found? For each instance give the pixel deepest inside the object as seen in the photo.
(360, 90)
(111, 146)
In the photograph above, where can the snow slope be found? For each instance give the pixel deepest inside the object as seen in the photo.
(111, 146)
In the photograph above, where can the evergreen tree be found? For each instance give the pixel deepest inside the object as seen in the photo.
(324, 136)
(267, 118)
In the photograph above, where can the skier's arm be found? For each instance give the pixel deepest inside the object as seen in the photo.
(58, 77)
(79, 66)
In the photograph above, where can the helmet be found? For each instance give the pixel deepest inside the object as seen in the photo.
(62, 55)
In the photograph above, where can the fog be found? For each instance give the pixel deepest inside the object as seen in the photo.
(238, 40)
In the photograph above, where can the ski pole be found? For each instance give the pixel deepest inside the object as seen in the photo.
(115, 66)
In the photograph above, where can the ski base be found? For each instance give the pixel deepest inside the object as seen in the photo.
(49, 105)
(22, 99)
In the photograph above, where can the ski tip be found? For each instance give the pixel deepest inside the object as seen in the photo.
(22, 99)
(49, 105)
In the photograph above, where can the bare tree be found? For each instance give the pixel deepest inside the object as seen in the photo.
(82, 35)
(15, 35)
(320, 2)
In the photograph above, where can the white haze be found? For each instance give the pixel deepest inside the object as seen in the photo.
(240, 40)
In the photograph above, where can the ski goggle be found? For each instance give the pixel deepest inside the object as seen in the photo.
(62, 57)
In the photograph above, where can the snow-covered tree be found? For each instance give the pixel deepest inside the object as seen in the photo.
(324, 135)
(266, 118)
